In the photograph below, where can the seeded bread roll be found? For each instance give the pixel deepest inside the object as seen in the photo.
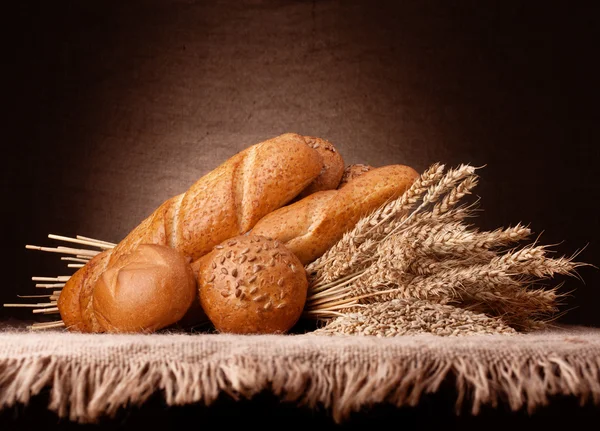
(148, 289)
(312, 225)
(353, 171)
(333, 167)
(251, 285)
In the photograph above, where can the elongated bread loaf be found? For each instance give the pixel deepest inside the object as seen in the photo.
(224, 203)
(312, 225)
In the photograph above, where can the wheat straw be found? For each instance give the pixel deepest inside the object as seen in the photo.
(430, 253)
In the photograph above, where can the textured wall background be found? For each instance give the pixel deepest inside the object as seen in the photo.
(113, 107)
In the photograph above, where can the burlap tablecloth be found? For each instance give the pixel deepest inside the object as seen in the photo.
(93, 376)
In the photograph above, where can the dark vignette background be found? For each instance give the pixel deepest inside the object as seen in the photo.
(111, 107)
(115, 106)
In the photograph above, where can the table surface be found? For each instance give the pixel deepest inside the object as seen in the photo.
(340, 380)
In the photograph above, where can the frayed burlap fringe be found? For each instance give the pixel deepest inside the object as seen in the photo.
(93, 376)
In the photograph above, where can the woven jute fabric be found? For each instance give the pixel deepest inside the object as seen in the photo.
(93, 376)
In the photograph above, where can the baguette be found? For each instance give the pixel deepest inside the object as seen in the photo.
(312, 225)
(224, 203)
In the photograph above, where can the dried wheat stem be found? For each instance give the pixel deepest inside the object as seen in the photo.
(65, 250)
(74, 259)
(326, 286)
(47, 325)
(38, 305)
(96, 240)
(64, 278)
(46, 310)
(49, 285)
(92, 243)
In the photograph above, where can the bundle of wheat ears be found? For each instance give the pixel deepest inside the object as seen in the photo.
(414, 266)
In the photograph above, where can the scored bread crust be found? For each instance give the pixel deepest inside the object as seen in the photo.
(230, 199)
(146, 290)
(224, 203)
(312, 225)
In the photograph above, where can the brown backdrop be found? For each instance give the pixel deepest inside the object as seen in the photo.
(114, 106)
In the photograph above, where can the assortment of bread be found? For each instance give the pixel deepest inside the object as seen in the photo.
(233, 247)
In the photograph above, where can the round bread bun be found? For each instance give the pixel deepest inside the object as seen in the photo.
(333, 167)
(252, 285)
(144, 291)
(353, 171)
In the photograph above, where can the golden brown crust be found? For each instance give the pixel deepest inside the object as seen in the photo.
(74, 300)
(333, 167)
(353, 171)
(310, 226)
(229, 200)
(226, 202)
(252, 285)
(143, 291)
(68, 301)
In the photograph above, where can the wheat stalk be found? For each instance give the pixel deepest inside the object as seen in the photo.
(419, 247)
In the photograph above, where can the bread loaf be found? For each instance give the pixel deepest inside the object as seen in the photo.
(224, 203)
(251, 285)
(312, 225)
(146, 290)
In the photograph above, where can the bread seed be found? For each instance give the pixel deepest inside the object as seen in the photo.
(243, 259)
(224, 271)
(214, 265)
(211, 278)
(219, 247)
(266, 246)
(251, 258)
(222, 260)
(272, 262)
(253, 290)
(251, 279)
(316, 146)
(246, 250)
(293, 267)
(280, 282)
(234, 272)
(281, 305)
(228, 254)
(256, 268)
(260, 298)
(224, 293)
(232, 242)
(267, 305)
(238, 292)
(276, 244)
